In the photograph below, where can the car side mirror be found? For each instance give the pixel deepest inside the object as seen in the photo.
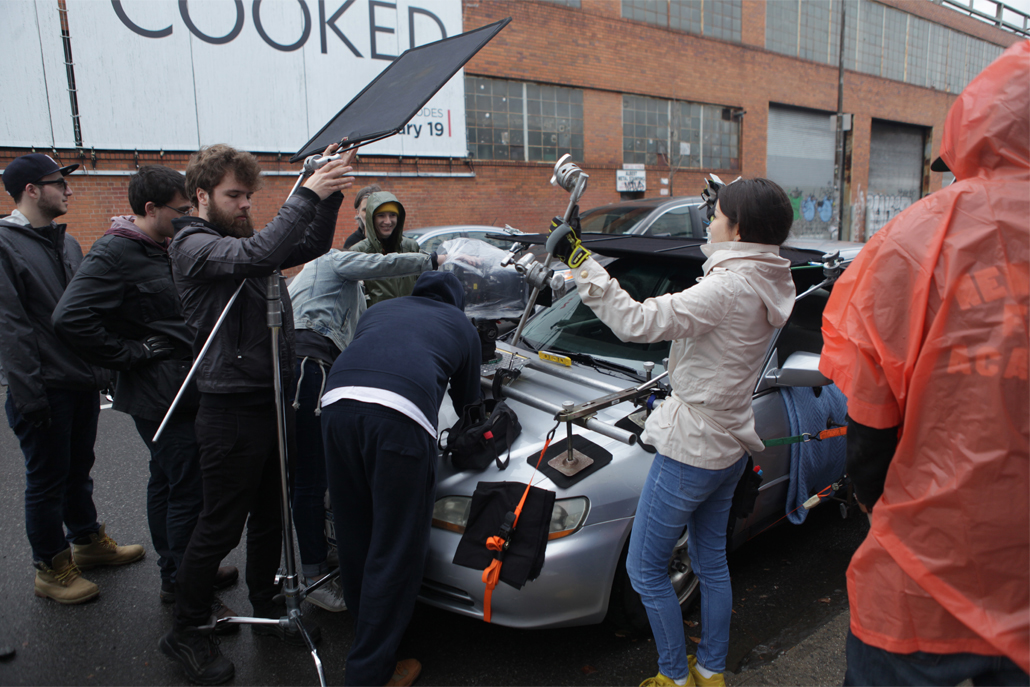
(801, 369)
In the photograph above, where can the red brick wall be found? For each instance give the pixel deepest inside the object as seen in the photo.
(594, 49)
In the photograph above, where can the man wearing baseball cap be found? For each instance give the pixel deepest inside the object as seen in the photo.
(52, 401)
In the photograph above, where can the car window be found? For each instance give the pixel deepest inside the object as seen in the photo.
(494, 239)
(675, 222)
(618, 219)
(433, 243)
(569, 325)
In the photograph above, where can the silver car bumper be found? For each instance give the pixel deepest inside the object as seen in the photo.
(573, 587)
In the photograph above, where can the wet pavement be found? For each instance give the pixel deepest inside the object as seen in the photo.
(788, 588)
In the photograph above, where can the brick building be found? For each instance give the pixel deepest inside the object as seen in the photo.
(679, 88)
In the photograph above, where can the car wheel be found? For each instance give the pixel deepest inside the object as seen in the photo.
(626, 613)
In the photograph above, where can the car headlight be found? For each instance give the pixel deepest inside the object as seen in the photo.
(452, 513)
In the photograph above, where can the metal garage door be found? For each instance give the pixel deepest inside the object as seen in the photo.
(800, 159)
(896, 162)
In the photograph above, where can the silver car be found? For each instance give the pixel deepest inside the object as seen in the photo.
(583, 579)
(679, 217)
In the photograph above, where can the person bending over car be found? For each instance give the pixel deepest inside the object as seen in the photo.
(720, 330)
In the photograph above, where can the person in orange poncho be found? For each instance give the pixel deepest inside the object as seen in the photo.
(926, 334)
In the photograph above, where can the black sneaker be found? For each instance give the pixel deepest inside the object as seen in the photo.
(289, 635)
(198, 654)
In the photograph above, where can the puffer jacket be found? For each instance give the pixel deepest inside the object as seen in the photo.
(35, 266)
(383, 289)
(208, 267)
(123, 293)
(720, 331)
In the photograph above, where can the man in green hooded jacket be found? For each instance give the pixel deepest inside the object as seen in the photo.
(384, 233)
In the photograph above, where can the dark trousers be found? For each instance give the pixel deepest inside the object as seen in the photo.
(869, 665)
(58, 460)
(239, 464)
(382, 471)
(308, 466)
(174, 492)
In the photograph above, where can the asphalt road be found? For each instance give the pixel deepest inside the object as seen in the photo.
(787, 583)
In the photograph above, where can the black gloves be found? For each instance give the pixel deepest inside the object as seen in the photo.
(563, 241)
(39, 419)
(156, 347)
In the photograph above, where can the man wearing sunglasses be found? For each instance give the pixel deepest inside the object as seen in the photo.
(52, 401)
(121, 311)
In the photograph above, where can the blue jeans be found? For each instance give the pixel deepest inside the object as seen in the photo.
(58, 460)
(174, 493)
(678, 496)
(309, 479)
(869, 665)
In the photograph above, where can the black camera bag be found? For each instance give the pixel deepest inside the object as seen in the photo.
(485, 430)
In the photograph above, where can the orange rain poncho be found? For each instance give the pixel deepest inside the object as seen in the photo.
(928, 330)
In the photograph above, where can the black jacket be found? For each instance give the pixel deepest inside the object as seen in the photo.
(122, 293)
(208, 267)
(35, 266)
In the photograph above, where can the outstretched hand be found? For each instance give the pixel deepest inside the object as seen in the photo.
(332, 177)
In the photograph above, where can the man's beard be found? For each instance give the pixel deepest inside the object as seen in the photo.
(229, 225)
(50, 208)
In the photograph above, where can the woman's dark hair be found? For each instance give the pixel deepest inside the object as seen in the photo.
(759, 208)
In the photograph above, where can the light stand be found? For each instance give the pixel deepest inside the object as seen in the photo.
(292, 592)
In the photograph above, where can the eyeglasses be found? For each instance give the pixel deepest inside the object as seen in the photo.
(183, 211)
(61, 184)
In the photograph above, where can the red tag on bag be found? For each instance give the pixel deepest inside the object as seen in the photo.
(488, 434)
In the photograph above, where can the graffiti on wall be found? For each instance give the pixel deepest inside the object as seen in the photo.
(814, 213)
(881, 209)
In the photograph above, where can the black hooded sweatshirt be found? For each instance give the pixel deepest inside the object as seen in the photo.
(414, 345)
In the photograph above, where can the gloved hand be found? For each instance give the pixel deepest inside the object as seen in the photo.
(156, 347)
(39, 419)
(563, 241)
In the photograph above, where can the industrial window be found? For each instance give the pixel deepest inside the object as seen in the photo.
(713, 18)
(679, 134)
(895, 38)
(567, 3)
(879, 40)
(514, 120)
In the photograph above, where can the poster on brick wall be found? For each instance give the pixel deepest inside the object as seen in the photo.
(262, 75)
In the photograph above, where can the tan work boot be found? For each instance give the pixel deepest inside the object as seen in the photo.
(102, 550)
(62, 582)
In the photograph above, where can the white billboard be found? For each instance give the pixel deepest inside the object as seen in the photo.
(262, 75)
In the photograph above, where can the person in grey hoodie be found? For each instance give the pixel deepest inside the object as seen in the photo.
(720, 330)
(384, 234)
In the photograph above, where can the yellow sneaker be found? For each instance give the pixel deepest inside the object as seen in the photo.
(660, 680)
(102, 550)
(698, 679)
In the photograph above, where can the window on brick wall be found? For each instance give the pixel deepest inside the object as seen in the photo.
(515, 120)
(713, 18)
(567, 3)
(879, 40)
(683, 134)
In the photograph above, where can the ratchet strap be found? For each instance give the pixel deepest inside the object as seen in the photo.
(808, 436)
(500, 542)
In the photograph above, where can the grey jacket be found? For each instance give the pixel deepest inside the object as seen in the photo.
(36, 265)
(327, 297)
(208, 267)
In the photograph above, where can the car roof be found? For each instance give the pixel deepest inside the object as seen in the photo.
(668, 248)
(646, 203)
(460, 227)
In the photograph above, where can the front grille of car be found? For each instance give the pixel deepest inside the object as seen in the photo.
(443, 593)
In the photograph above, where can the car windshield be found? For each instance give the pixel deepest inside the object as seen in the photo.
(570, 326)
(614, 219)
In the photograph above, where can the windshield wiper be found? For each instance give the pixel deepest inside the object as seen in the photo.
(598, 364)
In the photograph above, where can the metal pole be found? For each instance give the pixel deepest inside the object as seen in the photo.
(838, 182)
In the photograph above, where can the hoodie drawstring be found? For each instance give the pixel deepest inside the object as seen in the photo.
(300, 380)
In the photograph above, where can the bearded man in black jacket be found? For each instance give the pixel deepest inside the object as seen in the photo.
(121, 312)
(236, 424)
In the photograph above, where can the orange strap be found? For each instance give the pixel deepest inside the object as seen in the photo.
(492, 574)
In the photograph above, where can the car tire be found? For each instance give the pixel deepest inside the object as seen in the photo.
(626, 613)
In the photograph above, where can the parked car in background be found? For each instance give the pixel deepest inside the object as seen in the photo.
(430, 238)
(584, 578)
(679, 217)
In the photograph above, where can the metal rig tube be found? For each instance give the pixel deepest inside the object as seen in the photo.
(593, 425)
